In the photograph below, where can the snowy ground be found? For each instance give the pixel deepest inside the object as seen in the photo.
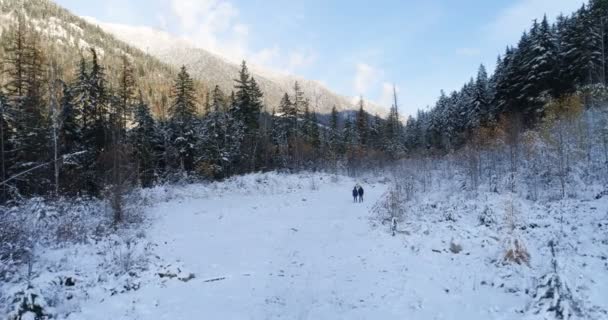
(296, 247)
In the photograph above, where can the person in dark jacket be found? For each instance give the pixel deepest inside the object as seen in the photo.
(360, 194)
(355, 194)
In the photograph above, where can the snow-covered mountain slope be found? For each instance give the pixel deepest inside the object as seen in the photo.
(155, 54)
(274, 246)
(65, 38)
(214, 69)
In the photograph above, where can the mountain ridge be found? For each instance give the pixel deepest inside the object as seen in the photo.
(215, 69)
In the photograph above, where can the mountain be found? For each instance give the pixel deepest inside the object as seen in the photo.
(214, 69)
(155, 55)
(65, 38)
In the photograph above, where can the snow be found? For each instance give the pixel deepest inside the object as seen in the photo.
(277, 246)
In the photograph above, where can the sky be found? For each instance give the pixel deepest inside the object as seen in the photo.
(355, 47)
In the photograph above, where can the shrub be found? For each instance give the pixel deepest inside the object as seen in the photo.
(516, 252)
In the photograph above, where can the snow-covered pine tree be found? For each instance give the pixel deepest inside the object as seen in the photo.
(145, 141)
(246, 108)
(182, 120)
(375, 133)
(542, 66)
(480, 109)
(362, 124)
(315, 135)
(91, 99)
(6, 132)
(70, 131)
(25, 68)
(220, 138)
(284, 130)
(333, 135)
(126, 95)
(582, 43)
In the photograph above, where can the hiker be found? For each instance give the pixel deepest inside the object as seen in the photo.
(355, 194)
(360, 192)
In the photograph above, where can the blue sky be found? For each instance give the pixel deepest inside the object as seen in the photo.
(355, 47)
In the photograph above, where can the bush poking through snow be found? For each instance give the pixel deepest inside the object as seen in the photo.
(553, 297)
(172, 272)
(486, 217)
(14, 243)
(29, 304)
(391, 205)
(455, 247)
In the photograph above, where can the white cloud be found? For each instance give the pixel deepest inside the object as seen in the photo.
(216, 26)
(366, 77)
(213, 25)
(508, 26)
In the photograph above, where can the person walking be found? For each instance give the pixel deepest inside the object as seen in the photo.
(355, 194)
(360, 192)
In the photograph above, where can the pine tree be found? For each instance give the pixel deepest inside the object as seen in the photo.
(70, 131)
(542, 68)
(217, 102)
(257, 105)
(375, 133)
(6, 133)
(315, 135)
(145, 141)
(299, 103)
(95, 107)
(307, 123)
(333, 122)
(247, 100)
(361, 124)
(16, 55)
(91, 98)
(208, 107)
(284, 131)
(182, 120)
(246, 110)
(393, 130)
(220, 141)
(25, 65)
(126, 95)
(581, 53)
(480, 111)
(349, 135)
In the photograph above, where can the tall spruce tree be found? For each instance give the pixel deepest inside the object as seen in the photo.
(145, 142)
(70, 130)
(182, 120)
(25, 69)
(361, 124)
(126, 95)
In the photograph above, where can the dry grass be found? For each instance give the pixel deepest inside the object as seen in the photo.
(515, 249)
(516, 252)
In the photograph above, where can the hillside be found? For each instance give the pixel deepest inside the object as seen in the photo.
(155, 55)
(211, 68)
(66, 37)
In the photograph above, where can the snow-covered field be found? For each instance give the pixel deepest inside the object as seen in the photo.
(271, 246)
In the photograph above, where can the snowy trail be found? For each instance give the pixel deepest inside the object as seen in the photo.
(297, 256)
(303, 254)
